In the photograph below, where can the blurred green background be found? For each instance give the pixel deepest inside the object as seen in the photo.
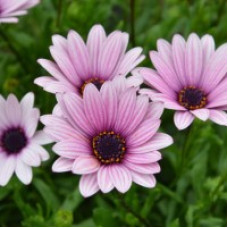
(191, 189)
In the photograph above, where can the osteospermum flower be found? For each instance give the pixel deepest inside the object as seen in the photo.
(77, 63)
(109, 137)
(10, 9)
(190, 78)
(20, 144)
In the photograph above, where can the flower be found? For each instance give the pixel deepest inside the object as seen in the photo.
(190, 78)
(10, 9)
(20, 145)
(77, 64)
(109, 137)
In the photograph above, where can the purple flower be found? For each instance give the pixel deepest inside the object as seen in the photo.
(77, 63)
(20, 144)
(190, 78)
(109, 137)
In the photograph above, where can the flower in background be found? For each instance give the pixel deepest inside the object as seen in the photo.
(10, 9)
(77, 63)
(109, 137)
(20, 144)
(190, 78)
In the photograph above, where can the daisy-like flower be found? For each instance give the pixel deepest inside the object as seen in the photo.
(20, 144)
(10, 9)
(77, 63)
(190, 78)
(109, 137)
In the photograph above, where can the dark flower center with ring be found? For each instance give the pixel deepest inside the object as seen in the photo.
(192, 98)
(13, 140)
(96, 81)
(109, 147)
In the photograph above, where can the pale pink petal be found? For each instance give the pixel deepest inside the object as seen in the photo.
(23, 172)
(79, 55)
(135, 80)
(95, 41)
(94, 107)
(43, 154)
(7, 169)
(72, 148)
(144, 132)
(144, 180)
(62, 165)
(145, 158)
(158, 141)
(30, 124)
(104, 181)
(41, 138)
(219, 117)
(193, 59)
(3, 116)
(121, 178)
(110, 101)
(88, 185)
(30, 155)
(183, 119)
(202, 114)
(155, 110)
(85, 165)
(9, 20)
(208, 44)
(150, 168)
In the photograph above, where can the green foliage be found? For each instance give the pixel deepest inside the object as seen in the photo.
(191, 189)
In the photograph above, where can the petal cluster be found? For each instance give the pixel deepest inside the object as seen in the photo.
(11, 9)
(190, 77)
(77, 63)
(112, 115)
(20, 143)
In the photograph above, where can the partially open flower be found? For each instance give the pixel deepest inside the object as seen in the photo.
(77, 63)
(190, 78)
(109, 137)
(10, 9)
(20, 144)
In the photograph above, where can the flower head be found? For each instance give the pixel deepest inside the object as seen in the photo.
(10, 9)
(20, 144)
(190, 78)
(77, 63)
(109, 137)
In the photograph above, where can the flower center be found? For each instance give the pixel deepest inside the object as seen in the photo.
(109, 147)
(13, 140)
(192, 98)
(96, 81)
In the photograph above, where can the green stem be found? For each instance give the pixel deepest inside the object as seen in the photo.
(13, 50)
(132, 21)
(59, 13)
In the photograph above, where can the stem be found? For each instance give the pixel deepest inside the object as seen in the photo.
(132, 21)
(14, 50)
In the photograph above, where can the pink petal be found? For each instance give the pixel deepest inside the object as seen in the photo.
(193, 59)
(183, 119)
(178, 53)
(155, 110)
(30, 124)
(121, 178)
(7, 169)
(95, 41)
(145, 158)
(30, 155)
(62, 165)
(144, 132)
(104, 181)
(202, 114)
(79, 55)
(135, 80)
(72, 149)
(41, 138)
(208, 44)
(94, 107)
(219, 117)
(159, 141)
(145, 180)
(85, 165)
(88, 185)
(23, 172)
(110, 101)
(125, 109)
(143, 168)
